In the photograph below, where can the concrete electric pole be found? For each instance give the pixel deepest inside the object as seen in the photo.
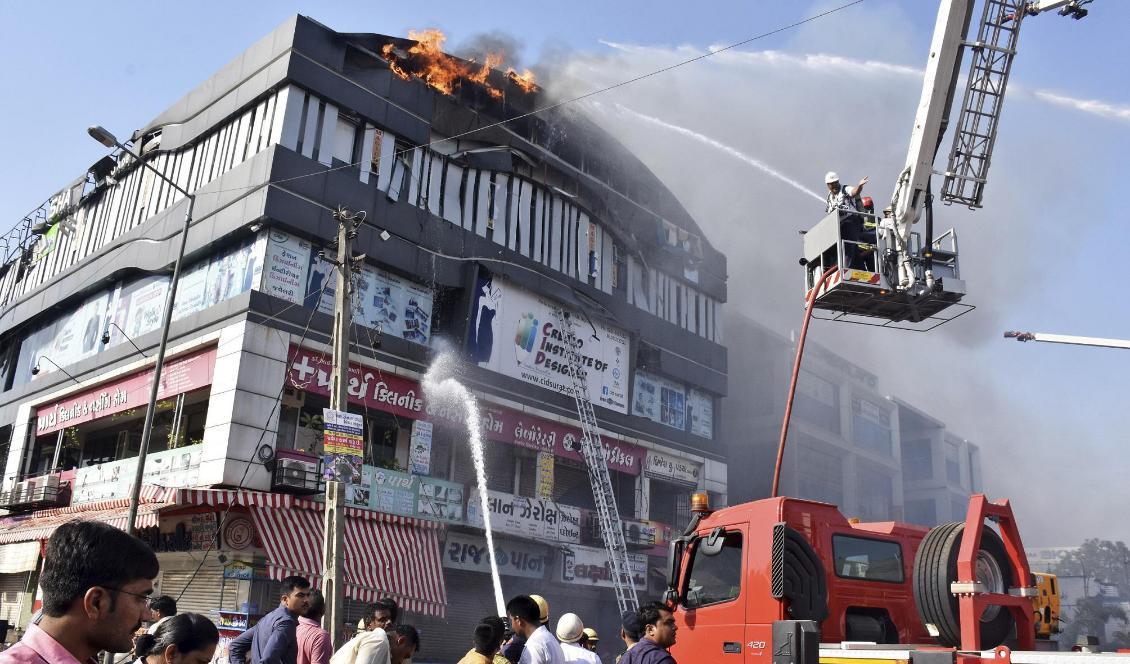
(333, 551)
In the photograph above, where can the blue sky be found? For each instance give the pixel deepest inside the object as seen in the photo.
(1045, 254)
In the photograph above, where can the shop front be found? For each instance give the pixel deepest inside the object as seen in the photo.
(103, 425)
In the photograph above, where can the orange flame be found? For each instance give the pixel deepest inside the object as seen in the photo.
(525, 80)
(426, 61)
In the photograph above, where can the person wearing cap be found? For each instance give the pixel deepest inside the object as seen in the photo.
(629, 631)
(591, 639)
(570, 630)
(849, 202)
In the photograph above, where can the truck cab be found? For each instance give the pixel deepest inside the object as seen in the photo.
(742, 568)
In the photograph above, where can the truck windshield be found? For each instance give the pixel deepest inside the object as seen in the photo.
(865, 558)
(714, 579)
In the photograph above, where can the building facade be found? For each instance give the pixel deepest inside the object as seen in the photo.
(940, 470)
(481, 224)
(875, 456)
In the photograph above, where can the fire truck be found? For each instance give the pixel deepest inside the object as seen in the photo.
(792, 580)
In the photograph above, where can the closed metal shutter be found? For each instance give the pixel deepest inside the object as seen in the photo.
(202, 595)
(12, 597)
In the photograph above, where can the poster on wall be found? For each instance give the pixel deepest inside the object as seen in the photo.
(528, 517)
(143, 305)
(515, 333)
(382, 301)
(659, 400)
(700, 413)
(420, 447)
(169, 468)
(543, 483)
(78, 335)
(439, 499)
(584, 565)
(343, 444)
(287, 266)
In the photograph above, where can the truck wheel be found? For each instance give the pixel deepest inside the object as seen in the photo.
(798, 575)
(935, 568)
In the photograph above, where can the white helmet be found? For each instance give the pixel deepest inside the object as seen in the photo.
(570, 628)
(831, 177)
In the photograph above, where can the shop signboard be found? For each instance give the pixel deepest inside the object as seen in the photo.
(529, 517)
(393, 492)
(515, 333)
(106, 481)
(310, 371)
(660, 400)
(700, 413)
(369, 386)
(584, 565)
(671, 468)
(470, 553)
(420, 447)
(180, 375)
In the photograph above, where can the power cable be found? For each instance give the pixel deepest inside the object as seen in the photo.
(570, 100)
(259, 445)
(591, 93)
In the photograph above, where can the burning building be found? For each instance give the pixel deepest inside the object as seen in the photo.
(483, 218)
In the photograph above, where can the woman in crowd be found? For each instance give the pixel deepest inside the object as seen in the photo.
(188, 638)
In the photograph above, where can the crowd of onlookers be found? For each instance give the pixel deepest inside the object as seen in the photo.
(97, 583)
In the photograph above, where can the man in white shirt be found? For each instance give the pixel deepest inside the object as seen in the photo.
(380, 646)
(569, 632)
(525, 619)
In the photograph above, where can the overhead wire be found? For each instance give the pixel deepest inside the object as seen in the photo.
(258, 446)
(707, 53)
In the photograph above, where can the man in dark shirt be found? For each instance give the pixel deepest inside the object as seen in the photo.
(274, 639)
(658, 624)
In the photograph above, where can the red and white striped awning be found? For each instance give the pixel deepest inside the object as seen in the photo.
(385, 555)
(39, 525)
(230, 497)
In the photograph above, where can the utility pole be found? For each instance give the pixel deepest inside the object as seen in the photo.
(333, 550)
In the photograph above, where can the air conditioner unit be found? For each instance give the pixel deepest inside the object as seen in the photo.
(297, 474)
(46, 488)
(30, 487)
(4, 498)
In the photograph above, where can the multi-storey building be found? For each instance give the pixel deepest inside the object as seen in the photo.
(843, 438)
(939, 469)
(874, 456)
(482, 220)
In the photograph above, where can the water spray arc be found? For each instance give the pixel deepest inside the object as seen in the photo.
(733, 152)
(441, 386)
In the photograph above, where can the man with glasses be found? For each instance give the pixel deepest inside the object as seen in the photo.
(274, 639)
(96, 584)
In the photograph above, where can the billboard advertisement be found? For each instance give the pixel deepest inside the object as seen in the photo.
(515, 333)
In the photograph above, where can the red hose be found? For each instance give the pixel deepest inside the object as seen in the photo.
(811, 300)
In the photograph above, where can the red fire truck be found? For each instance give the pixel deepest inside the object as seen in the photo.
(747, 581)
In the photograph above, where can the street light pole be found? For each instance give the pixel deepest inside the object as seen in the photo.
(106, 138)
